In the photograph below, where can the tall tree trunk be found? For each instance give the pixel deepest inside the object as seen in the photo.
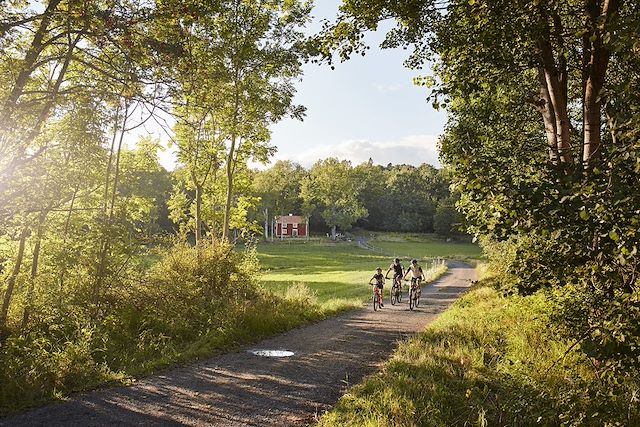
(273, 229)
(107, 178)
(545, 106)
(227, 205)
(555, 84)
(596, 60)
(12, 279)
(34, 268)
(266, 224)
(102, 259)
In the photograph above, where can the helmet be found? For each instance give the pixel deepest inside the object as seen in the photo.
(396, 260)
(378, 269)
(414, 261)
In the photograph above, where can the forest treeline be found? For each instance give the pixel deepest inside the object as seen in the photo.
(542, 144)
(335, 195)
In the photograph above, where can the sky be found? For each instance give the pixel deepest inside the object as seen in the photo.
(365, 108)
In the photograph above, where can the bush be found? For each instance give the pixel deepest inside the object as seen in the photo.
(192, 303)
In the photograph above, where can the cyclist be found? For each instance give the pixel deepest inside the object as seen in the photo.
(417, 275)
(379, 278)
(398, 271)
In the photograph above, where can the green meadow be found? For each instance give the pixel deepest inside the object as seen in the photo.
(408, 245)
(337, 273)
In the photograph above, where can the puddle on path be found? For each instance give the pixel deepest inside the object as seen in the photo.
(272, 353)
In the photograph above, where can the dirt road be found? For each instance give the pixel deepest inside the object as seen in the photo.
(244, 389)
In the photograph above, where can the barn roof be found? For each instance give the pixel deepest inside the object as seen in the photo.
(290, 219)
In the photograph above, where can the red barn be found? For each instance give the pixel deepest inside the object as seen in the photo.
(290, 226)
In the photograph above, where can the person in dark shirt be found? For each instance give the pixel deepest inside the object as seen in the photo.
(398, 270)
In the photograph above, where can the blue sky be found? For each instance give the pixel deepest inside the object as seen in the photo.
(366, 108)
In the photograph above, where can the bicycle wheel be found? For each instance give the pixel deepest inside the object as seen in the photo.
(418, 292)
(399, 298)
(375, 302)
(412, 294)
(393, 295)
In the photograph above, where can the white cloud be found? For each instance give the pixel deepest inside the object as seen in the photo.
(389, 87)
(412, 149)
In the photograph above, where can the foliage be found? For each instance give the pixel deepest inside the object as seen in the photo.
(396, 197)
(190, 304)
(279, 190)
(331, 184)
(537, 143)
(234, 81)
(447, 220)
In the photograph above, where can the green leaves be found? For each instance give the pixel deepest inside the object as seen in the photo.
(331, 184)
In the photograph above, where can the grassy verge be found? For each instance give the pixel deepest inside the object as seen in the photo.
(487, 361)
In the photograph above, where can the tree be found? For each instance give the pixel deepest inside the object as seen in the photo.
(246, 58)
(409, 194)
(374, 195)
(279, 190)
(332, 185)
(538, 143)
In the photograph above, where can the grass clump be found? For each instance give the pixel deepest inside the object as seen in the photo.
(489, 360)
(436, 269)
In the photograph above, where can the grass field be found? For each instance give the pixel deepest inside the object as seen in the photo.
(430, 249)
(337, 273)
(407, 245)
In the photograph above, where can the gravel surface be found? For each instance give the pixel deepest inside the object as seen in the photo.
(241, 388)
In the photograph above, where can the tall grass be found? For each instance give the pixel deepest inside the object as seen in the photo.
(193, 303)
(488, 361)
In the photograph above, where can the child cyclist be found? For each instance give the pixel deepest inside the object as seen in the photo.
(417, 275)
(398, 271)
(379, 278)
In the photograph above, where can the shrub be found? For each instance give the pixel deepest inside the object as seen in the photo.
(190, 304)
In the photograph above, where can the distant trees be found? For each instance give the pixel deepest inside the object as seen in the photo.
(332, 187)
(279, 190)
(338, 196)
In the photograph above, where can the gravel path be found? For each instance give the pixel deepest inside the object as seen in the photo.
(240, 388)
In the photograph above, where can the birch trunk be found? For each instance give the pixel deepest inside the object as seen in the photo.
(198, 218)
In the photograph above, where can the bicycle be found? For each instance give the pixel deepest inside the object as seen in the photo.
(414, 294)
(377, 297)
(396, 290)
